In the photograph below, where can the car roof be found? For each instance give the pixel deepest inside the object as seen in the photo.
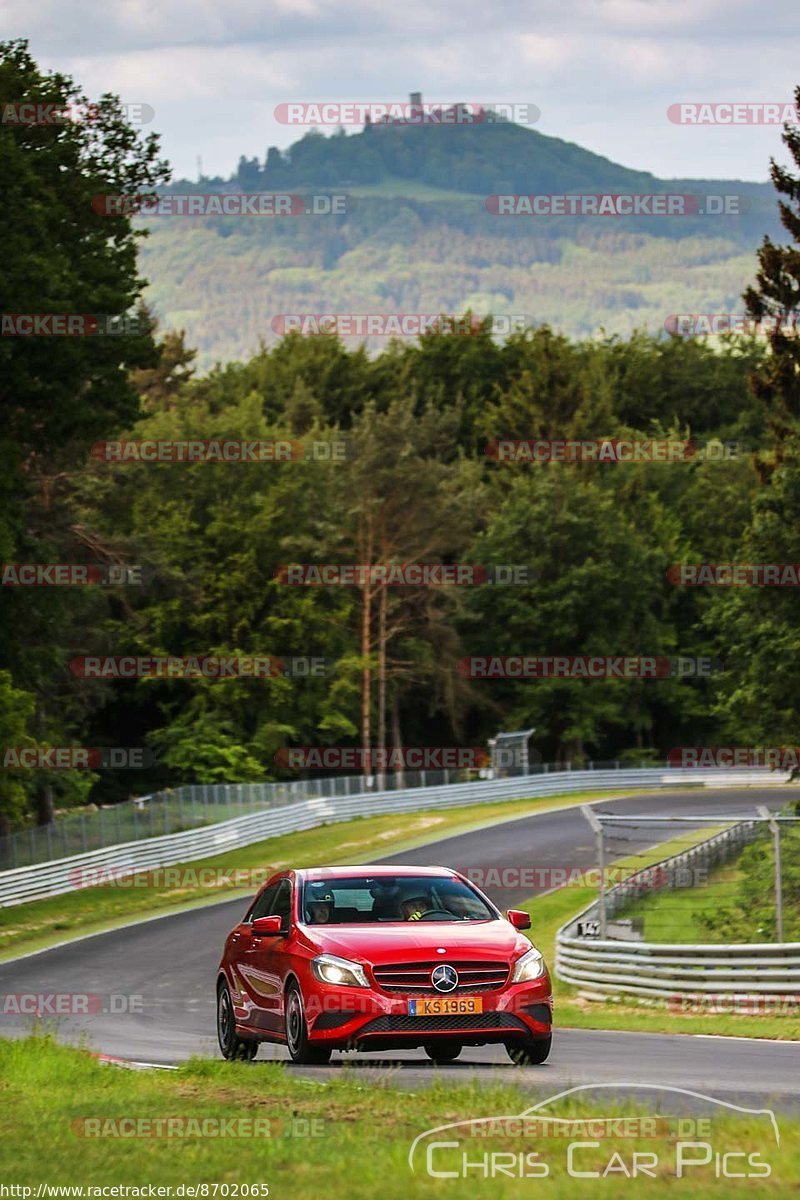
(370, 871)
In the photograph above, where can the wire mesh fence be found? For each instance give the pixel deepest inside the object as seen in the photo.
(194, 805)
(713, 879)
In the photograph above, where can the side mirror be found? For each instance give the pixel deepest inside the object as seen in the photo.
(518, 918)
(267, 927)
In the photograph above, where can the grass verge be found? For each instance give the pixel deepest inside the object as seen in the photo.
(549, 912)
(676, 915)
(67, 1120)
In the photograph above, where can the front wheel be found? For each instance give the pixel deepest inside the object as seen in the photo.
(301, 1050)
(531, 1052)
(443, 1052)
(230, 1044)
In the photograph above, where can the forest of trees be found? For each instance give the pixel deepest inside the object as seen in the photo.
(416, 485)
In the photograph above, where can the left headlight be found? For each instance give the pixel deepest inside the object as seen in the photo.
(329, 968)
(530, 966)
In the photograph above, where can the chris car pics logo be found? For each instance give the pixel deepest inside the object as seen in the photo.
(683, 1145)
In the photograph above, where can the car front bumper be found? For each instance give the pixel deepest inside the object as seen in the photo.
(366, 1018)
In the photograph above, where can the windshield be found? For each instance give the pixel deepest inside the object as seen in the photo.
(372, 899)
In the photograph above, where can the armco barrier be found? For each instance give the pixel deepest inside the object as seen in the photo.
(64, 875)
(680, 972)
(666, 971)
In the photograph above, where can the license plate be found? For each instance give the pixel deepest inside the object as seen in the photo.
(445, 1006)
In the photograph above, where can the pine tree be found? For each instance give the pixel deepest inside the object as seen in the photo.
(776, 298)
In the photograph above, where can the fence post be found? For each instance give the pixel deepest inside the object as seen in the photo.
(597, 826)
(775, 830)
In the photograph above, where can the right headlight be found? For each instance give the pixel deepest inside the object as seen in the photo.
(329, 968)
(530, 966)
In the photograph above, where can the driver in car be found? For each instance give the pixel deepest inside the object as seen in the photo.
(414, 907)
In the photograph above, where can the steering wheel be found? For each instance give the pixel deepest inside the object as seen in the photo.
(431, 912)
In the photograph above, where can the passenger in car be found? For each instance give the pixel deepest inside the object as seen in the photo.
(320, 909)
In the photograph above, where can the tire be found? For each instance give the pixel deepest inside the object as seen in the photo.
(531, 1052)
(301, 1050)
(443, 1052)
(232, 1047)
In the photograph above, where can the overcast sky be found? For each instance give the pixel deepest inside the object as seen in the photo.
(602, 72)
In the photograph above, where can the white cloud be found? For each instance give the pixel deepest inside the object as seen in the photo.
(603, 72)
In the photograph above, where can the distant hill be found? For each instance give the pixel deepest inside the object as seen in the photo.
(417, 237)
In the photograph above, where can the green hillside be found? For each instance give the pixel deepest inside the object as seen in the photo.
(417, 237)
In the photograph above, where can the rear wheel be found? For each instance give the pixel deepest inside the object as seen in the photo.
(531, 1052)
(443, 1052)
(301, 1050)
(230, 1044)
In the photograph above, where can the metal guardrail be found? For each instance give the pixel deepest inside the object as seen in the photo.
(665, 971)
(676, 971)
(189, 806)
(69, 873)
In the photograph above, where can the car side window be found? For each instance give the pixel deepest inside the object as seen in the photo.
(282, 906)
(263, 903)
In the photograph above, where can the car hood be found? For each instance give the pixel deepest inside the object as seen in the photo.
(411, 940)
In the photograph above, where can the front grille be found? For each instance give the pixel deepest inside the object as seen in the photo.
(416, 976)
(465, 1023)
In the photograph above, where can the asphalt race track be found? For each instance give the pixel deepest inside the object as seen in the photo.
(167, 965)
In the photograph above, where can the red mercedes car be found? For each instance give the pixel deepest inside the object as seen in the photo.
(378, 958)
